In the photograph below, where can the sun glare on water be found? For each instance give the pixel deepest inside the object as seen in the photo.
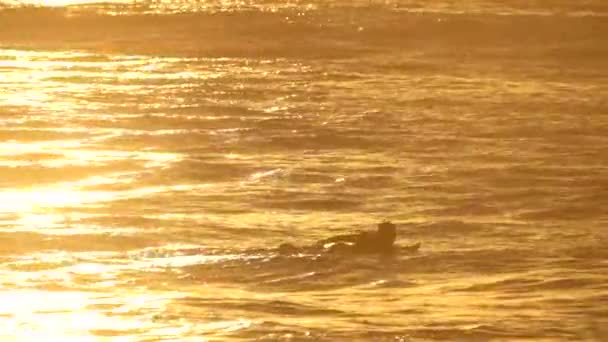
(54, 174)
(67, 2)
(36, 315)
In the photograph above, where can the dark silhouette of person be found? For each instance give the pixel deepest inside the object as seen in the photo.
(379, 242)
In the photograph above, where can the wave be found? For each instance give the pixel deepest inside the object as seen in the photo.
(327, 33)
(509, 7)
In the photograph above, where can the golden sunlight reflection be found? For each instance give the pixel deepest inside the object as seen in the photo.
(37, 315)
(34, 205)
(58, 224)
(42, 315)
(303, 170)
(103, 269)
(13, 148)
(72, 153)
(29, 203)
(68, 2)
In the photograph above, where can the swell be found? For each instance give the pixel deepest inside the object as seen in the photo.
(509, 271)
(286, 33)
(329, 291)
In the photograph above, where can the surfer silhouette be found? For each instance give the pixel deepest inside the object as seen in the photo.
(379, 242)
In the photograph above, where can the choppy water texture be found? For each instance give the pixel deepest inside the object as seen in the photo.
(152, 155)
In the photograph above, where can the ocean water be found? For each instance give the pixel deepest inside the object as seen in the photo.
(154, 154)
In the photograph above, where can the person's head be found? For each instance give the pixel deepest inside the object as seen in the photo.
(387, 231)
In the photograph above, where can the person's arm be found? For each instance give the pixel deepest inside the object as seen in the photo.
(340, 238)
